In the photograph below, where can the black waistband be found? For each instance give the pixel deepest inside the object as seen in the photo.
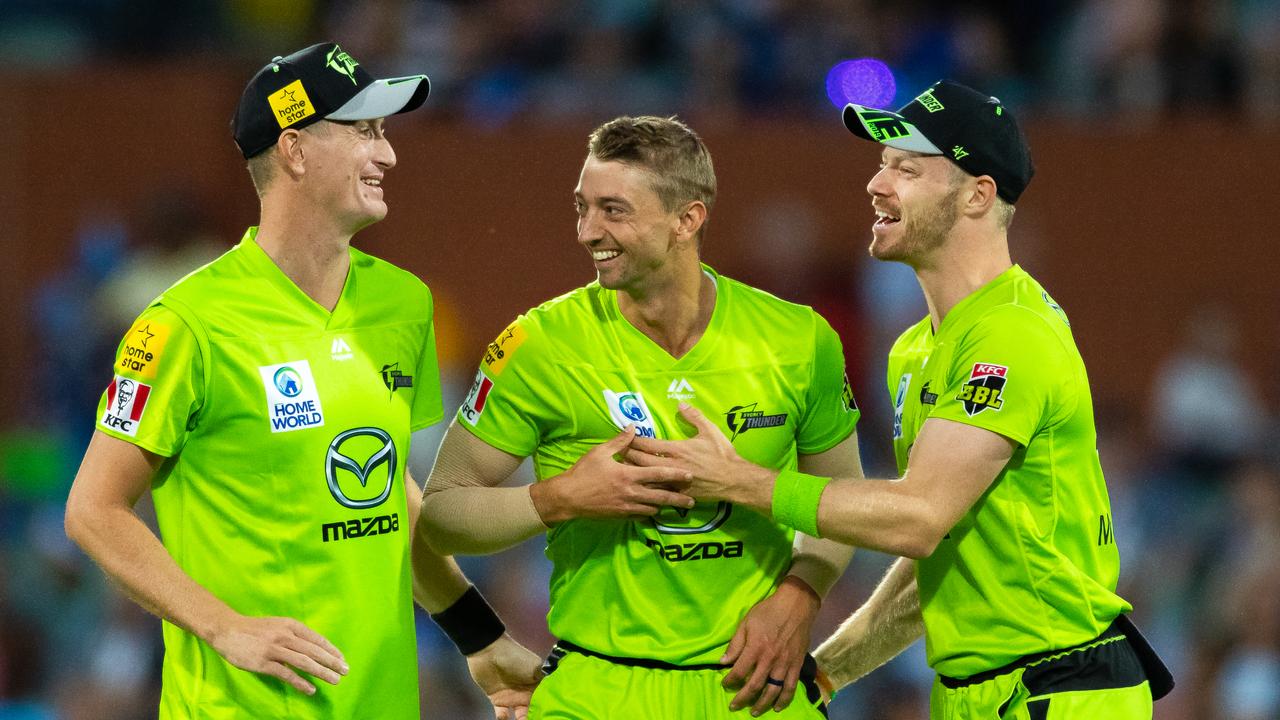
(808, 671)
(1113, 631)
(565, 645)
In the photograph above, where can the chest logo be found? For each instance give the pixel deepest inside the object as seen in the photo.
(629, 408)
(982, 392)
(742, 418)
(293, 402)
(394, 379)
(379, 453)
(680, 389)
(340, 350)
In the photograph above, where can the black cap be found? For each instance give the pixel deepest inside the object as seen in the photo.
(321, 82)
(974, 130)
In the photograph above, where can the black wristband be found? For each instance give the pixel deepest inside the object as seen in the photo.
(470, 623)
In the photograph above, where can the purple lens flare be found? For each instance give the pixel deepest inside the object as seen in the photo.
(865, 81)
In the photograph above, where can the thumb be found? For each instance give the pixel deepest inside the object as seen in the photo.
(695, 418)
(620, 442)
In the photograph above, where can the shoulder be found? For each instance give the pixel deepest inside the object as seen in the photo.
(575, 311)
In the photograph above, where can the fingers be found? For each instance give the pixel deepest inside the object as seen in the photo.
(738, 642)
(327, 653)
(768, 696)
(302, 662)
(752, 688)
(290, 677)
(618, 443)
(697, 419)
(788, 690)
(501, 713)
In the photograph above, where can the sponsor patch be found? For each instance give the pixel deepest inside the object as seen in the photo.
(629, 408)
(290, 104)
(293, 401)
(847, 394)
(742, 418)
(126, 401)
(499, 351)
(983, 390)
(900, 403)
(142, 348)
(926, 397)
(473, 407)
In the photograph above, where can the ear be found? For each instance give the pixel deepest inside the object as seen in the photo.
(981, 197)
(290, 151)
(690, 220)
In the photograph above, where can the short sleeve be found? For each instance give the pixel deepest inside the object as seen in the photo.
(157, 385)
(515, 399)
(428, 403)
(1006, 376)
(830, 413)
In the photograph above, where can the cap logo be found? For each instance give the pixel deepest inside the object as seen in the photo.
(959, 152)
(342, 63)
(929, 102)
(883, 126)
(291, 104)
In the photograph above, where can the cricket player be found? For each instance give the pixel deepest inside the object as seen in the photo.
(1001, 513)
(267, 401)
(663, 608)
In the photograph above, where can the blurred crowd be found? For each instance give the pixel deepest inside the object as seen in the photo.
(497, 60)
(1194, 474)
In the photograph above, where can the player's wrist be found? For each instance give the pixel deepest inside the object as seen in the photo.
(547, 502)
(795, 501)
(470, 622)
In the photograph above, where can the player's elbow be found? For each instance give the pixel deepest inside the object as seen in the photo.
(922, 537)
(432, 527)
(77, 520)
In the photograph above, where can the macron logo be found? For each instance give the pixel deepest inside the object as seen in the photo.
(340, 350)
(680, 389)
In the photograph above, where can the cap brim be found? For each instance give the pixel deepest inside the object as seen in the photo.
(887, 128)
(385, 97)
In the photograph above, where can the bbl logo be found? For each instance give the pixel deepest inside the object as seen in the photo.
(342, 63)
(394, 378)
(372, 444)
(982, 392)
(288, 382)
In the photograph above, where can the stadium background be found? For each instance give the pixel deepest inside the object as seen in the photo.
(1155, 125)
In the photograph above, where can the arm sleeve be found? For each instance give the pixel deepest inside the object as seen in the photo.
(1007, 375)
(428, 406)
(830, 413)
(516, 398)
(157, 386)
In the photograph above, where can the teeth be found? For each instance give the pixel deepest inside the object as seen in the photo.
(375, 182)
(882, 215)
(605, 254)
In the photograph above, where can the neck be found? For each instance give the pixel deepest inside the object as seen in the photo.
(958, 269)
(673, 313)
(314, 257)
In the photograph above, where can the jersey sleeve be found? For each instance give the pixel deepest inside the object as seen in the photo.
(515, 399)
(830, 411)
(428, 403)
(1007, 377)
(158, 384)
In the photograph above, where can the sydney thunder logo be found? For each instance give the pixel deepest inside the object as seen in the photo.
(340, 61)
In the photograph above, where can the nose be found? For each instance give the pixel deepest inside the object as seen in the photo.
(589, 228)
(879, 185)
(384, 155)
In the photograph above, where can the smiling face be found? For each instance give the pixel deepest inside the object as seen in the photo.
(622, 223)
(916, 199)
(345, 168)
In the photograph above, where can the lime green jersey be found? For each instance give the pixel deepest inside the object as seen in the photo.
(1032, 566)
(287, 427)
(572, 372)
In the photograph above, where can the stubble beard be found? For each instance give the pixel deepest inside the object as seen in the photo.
(924, 232)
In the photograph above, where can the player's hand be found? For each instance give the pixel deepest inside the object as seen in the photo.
(279, 647)
(718, 471)
(598, 485)
(771, 642)
(508, 673)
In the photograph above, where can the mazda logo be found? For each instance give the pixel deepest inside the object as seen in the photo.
(336, 460)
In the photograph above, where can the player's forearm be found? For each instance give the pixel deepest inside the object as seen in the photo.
(878, 631)
(131, 554)
(819, 563)
(438, 582)
(478, 520)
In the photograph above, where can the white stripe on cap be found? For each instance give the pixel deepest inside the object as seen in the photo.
(890, 128)
(380, 99)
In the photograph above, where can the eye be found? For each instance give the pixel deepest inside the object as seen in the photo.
(613, 210)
